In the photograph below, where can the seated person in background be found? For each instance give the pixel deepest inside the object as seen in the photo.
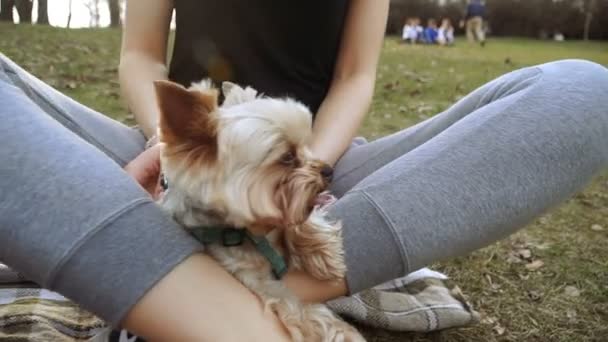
(430, 33)
(409, 35)
(445, 34)
(419, 30)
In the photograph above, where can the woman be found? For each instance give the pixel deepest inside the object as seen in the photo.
(449, 185)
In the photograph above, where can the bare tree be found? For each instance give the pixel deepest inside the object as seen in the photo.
(114, 6)
(24, 9)
(43, 13)
(69, 14)
(93, 6)
(6, 10)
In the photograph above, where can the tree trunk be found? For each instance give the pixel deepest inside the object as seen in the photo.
(6, 10)
(43, 13)
(24, 9)
(69, 14)
(95, 13)
(114, 13)
(588, 18)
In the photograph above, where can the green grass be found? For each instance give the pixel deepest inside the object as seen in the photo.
(414, 83)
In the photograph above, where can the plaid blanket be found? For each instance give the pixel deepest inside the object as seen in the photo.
(423, 301)
(33, 314)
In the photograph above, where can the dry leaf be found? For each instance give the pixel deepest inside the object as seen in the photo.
(572, 291)
(524, 253)
(597, 228)
(488, 320)
(499, 330)
(513, 258)
(534, 295)
(535, 265)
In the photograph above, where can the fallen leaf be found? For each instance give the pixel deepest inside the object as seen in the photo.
(597, 228)
(571, 314)
(415, 92)
(572, 291)
(524, 253)
(513, 258)
(534, 295)
(535, 265)
(488, 320)
(499, 329)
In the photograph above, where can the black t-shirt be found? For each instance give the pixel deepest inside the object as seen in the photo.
(279, 47)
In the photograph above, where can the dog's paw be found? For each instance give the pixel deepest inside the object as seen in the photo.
(316, 247)
(320, 324)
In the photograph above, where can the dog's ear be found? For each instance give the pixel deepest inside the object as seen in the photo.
(186, 115)
(234, 94)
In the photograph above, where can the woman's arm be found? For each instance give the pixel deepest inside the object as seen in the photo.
(342, 111)
(352, 88)
(143, 57)
(200, 301)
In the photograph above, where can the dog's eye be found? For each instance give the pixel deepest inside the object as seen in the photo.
(288, 158)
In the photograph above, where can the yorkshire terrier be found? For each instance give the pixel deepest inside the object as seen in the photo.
(245, 166)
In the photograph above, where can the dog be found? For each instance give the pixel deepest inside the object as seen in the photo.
(244, 166)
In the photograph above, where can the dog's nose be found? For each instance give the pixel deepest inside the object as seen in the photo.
(327, 172)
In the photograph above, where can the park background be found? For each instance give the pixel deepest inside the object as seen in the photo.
(547, 283)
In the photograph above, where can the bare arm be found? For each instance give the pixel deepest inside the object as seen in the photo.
(352, 88)
(143, 57)
(343, 110)
(200, 301)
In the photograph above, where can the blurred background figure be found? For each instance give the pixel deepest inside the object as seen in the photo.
(475, 14)
(412, 32)
(430, 32)
(409, 34)
(419, 29)
(445, 34)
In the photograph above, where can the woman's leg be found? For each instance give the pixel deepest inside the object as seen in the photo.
(73, 221)
(119, 142)
(473, 174)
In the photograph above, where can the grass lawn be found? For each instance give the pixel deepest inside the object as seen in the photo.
(564, 300)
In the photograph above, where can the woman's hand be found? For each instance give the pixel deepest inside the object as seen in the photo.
(145, 169)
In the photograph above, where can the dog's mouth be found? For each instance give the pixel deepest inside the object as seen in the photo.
(324, 199)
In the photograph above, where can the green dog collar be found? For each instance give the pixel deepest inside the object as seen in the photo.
(230, 237)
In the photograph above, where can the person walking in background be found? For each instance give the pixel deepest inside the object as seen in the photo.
(445, 34)
(475, 13)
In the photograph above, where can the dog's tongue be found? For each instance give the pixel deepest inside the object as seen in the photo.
(324, 199)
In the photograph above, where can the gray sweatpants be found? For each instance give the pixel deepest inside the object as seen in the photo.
(73, 221)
